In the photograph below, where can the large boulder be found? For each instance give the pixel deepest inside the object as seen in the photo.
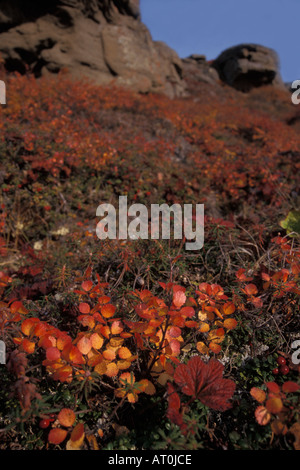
(249, 65)
(103, 40)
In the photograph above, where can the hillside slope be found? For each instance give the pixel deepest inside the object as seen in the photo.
(78, 313)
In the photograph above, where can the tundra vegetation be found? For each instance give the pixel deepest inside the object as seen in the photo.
(142, 344)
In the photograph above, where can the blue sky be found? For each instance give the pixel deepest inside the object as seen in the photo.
(210, 26)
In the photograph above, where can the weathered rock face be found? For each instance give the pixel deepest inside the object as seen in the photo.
(197, 70)
(103, 40)
(249, 65)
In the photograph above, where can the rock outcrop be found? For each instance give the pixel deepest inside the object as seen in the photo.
(104, 40)
(197, 70)
(249, 65)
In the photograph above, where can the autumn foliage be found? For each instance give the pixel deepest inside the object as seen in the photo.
(105, 338)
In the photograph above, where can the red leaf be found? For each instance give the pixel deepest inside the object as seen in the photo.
(187, 312)
(273, 388)
(87, 285)
(205, 382)
(250, 289)
(84, 307)
(274, 405)
(179, 298)
(173, 413)
(57, 435)
(52, 353)
(173, 397)
(290, 386)
(240, 274)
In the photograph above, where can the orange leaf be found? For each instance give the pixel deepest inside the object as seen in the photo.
(230, 323)
(101, 368)
(57, 435)
(104, 299)
(62, 341)
(84, 345)
(214, 347)
(28, 346)
(295, 429)
(84, 307)
(63, 374)
(262, 415)
(258, 394)
(108, 310)
(105, 331)
(87, 320)
(28, 325)
(132, 397)
(66, 417)
(147, 387)
(116, 328)
(18, 306)
(127, 378)
(75, 356)
(191, 324)
(250, 289)
(47, 341)
(109, 354)
(274, 405)
(39, 329)
(204, 327)
(218, 313)
(116, 343)
(202, 348)
(257, 302)
(112, 370)
(228, 308)
(240, 274)
(278, 427)
(219, 332)
(124, 353)
(123, 364)
(87, 285)
(96, 341)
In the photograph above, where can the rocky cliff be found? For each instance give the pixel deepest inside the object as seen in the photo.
(104, 40)
(107, 42)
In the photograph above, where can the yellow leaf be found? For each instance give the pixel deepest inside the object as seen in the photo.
(202, 348)
(77, 437)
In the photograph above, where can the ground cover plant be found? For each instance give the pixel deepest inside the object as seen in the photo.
(122, 344)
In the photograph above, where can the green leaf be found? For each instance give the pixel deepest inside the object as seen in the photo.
(292, 222)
